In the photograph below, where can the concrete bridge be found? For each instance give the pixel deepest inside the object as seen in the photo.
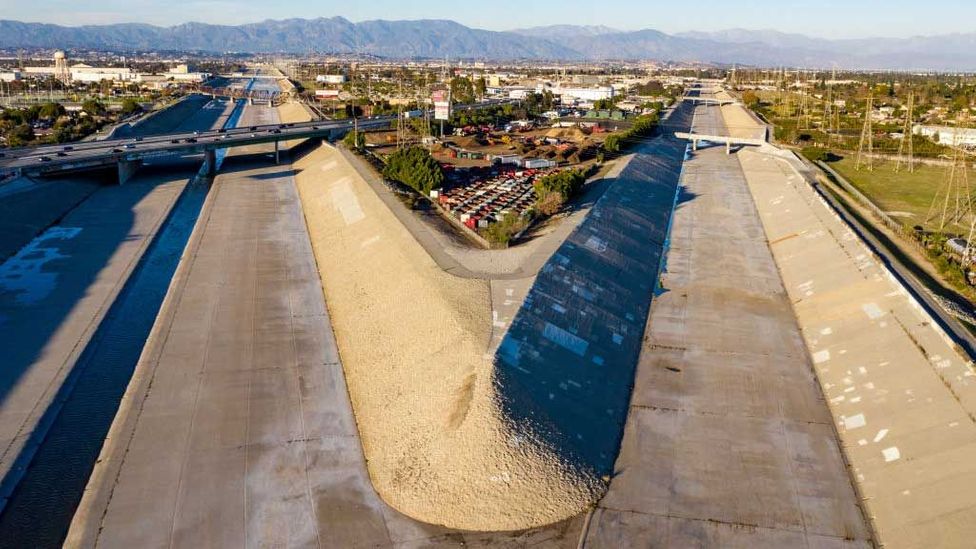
(709, 100)
(696, 138)
(129, 153)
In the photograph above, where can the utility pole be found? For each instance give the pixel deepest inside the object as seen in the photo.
(867, 138)
(953, 201)
(907, 138)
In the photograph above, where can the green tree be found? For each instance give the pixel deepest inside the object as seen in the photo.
(93, 107)
(51, 111)
(480, 86)
(462, 90)
(130, 105)
(750, 98)
(354, 140)
(502, 232)
(20, 135)
(567, 183)
(415, 168)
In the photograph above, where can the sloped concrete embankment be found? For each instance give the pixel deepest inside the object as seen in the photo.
(566, 366)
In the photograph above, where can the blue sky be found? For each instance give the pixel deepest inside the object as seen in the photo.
(826, 18)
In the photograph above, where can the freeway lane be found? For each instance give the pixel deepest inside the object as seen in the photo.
(181, 142)
(184, 142)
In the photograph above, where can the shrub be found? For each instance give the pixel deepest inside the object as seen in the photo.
(415, 168)
(501, 232)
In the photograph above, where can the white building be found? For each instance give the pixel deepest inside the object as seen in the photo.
(332, 79)
(86, 73)
(584, 94)
(9, 76)
(948, 135)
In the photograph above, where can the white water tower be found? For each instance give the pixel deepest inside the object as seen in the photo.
(61, 71)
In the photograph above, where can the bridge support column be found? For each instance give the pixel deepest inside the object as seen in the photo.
(277, 153)
(728, 146)
(211, 162)
(127, 168)
(694, 144)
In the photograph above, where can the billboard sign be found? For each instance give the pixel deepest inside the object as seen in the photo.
(442, 104)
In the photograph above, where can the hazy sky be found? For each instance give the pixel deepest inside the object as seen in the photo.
(827, 18)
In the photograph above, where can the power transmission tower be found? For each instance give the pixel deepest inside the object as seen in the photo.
(907, 147)
(867, 139)
(827, 117)
(801, 115)
(399, 135)
(955, 194)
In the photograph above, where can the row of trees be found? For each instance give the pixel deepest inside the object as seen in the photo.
(642, 127)
(17, 125)
(415, 168)
(554, 190)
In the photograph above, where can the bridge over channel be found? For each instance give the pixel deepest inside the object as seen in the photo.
(129, 153)
(729, 141)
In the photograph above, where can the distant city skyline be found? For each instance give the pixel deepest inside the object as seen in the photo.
(826, 19)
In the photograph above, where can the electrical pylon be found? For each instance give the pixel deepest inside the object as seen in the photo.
(906, 149)
(827, 116)
(867, 139)
(953, 202)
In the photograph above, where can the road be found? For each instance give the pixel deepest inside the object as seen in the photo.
(49, 158)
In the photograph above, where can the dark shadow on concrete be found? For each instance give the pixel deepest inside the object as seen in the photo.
(566, 366)
(53, 467)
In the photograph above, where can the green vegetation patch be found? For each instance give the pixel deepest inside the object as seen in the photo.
(415, 168)
(901, 192)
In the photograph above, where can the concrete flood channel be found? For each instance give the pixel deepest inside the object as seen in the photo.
(50, 481)
(566, 365)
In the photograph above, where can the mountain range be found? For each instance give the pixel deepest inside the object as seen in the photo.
(440, 38)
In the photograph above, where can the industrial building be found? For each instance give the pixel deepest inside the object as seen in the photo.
(948, 135)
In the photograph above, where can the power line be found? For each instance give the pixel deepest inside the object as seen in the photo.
(867, 138)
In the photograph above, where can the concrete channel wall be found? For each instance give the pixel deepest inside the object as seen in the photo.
(902, 395)
(78, 268)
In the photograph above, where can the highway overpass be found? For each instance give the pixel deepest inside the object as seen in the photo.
(129, 153)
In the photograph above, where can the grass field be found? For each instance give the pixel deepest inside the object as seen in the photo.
(907, 197)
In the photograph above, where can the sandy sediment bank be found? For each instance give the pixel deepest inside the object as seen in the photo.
(741, 123)
(413, 342)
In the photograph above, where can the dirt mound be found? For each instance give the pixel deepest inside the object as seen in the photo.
(573, 134)
(413, 341)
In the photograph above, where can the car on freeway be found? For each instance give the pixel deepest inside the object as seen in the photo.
(67, 148)
(45, 159)
(254, 128)
(196, 132)
(117, 150)
(138, 139)
(276, 130)
(222, 130)
(174, 140)
(62, 153)
(191, 140)
(130, 145)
